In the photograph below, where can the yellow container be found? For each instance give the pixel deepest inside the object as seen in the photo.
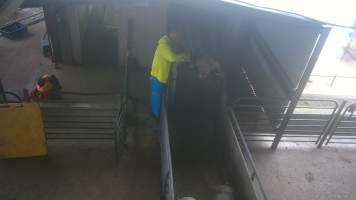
(21, 131)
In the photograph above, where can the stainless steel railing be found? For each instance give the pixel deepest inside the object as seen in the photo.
(260, 118)
(86, 116)
(343, 129)
(167, 187)
(247, 156)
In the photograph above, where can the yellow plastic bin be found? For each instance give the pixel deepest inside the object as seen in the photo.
(21, 131)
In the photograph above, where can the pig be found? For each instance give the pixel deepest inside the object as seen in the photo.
(223, 192)
(207, 66)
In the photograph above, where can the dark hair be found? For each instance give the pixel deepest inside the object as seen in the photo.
(172, 28)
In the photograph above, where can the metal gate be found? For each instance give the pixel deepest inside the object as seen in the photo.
(86, 116)
(260, 119)
(343, 129)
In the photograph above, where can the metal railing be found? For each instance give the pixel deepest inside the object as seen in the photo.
(343, 129)
(260, 118)
(309, 122)
(333, 78)
(252, 170)
(3, 98)
(86, 117)
(167, 187)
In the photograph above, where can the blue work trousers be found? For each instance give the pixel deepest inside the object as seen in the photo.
(157, 91)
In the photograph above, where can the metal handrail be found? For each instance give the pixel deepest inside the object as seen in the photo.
(334, 77)
(3, 96)
(18, 98)
(263, 99)
(114, 132)
(281, 99)
(167, 185)
(254, 174)
(119, 123)
(263, 104)
(339, 119)
(90, 93)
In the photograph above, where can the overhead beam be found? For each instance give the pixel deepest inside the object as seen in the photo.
(44, 2)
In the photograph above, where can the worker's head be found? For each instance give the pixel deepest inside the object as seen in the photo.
(174, 35)
(176, 39)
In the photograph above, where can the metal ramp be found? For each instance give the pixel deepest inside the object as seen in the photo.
(86, 117)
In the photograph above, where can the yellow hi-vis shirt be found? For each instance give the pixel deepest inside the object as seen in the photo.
(163, 58)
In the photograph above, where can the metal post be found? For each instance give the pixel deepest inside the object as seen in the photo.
(254, 175)
(26, 95)
(130, 25)
(330, 120)
(302, 83)
(171, 90)
(167, 184)
(2, 94)
(332, 81)
(330, 132)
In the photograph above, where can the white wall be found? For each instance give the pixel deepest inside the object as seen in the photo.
(149, 24)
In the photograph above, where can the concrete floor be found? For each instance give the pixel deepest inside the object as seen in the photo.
(301, 171)
(22, 63)
(84, 171)
(87, 170)
(75, 170)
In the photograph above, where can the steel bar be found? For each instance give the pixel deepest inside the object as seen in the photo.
(80, 131)
(117, 131)
(78, 138)
(332, 125)
(302, 125)
(79, 106)
(337, 122)
(167, 182)
(2, 92)
(302, 83)
(254, 175)
(86, 120)
(62, 115)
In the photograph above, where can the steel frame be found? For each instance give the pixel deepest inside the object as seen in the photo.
(167, 182)
(343, 128)
(324, 32)
(240, 139)
(310, 122)
(82, 120)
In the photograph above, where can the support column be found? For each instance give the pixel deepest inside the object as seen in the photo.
(74, 31)
(313, 58)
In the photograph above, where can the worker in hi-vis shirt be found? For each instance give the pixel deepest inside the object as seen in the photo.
(162, 61)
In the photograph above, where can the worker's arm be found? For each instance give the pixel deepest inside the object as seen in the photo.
(168, 54)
